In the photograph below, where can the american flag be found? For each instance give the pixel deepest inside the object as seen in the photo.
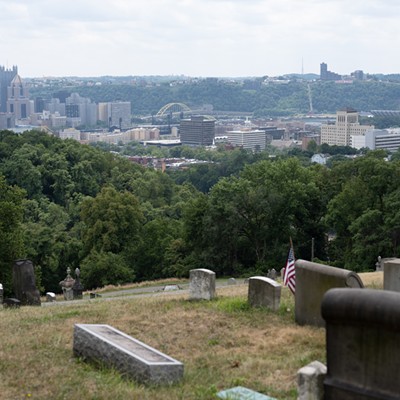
(289, 278)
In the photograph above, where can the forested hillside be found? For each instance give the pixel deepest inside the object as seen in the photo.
(262, 100)
(63, 204)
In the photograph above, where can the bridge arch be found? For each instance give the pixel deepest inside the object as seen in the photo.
(173, 107)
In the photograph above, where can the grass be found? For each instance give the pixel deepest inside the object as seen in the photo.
(222, 343)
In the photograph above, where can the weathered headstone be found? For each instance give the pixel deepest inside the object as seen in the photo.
(50, 297)
(202, 284)
(310, 381)
(24, 283)
(111, 347)
(94, 295)
(272, 274)
(312, 282)
(362, 344)
(67, 286)
(11, 302)
(231, 281)
(264, 292)
(391, 274)
(77, 287)
(242, 393)
(1, 293)
(170, 288)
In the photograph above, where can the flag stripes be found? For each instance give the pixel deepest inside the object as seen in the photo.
(289, 278)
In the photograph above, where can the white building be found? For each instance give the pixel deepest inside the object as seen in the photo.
(346, 125)
(382, 139)
(253, 139)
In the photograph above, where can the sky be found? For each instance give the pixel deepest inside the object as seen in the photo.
(199, 38)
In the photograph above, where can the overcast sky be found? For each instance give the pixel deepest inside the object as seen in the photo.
(198, 37)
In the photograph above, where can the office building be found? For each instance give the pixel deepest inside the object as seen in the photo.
(197, 131)
(378, 139)
(80, 111)
(345, 126)
(6, 77)
(116, 114)
(18, 102)
(326, 75)
(251, 139)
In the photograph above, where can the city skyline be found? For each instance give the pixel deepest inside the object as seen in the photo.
(198, 37)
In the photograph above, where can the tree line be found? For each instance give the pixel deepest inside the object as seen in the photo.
(63, 204)
(262, 100)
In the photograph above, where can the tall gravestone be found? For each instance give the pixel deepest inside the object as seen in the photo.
(391, 274)
(1, 294)
(24, 283)
(201, 284)
(264, 292)
(313, 280)
(362, 344)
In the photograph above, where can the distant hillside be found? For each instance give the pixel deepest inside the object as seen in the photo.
(253, 96)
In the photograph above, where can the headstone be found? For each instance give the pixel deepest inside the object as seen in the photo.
(310, 381)
(50, 297)
(312, 282)
(362, 344)
(201, 284)
(24, 283)
(231, 281)
(170, 288)
(1, 293)
(242, 393)
(272, 274)
(77, 287)
(67, 286)
(113, 348)
(94, 295)
(11, 302)
(391, 274)
(264, 292)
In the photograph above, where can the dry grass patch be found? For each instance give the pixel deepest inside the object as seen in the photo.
(372, 279)
(222, 343)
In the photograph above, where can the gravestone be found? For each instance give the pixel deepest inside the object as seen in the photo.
(231, 281)
(171, 288)
(67, 286)
(362, 344)
(264, 292)
(1, 293)
(242, 393)
(312, 282)
(11, 302)
(310, 381)
(272, 274)
(50, 297)
(24, 283)
(391, 274)
(77, 287)
(201, 284)
(108, 346)
(94, 295)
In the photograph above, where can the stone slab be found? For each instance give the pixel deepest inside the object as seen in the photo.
(391, 275)
(133, 358)
(310, 381)
(242, 393)
(313, 280)
(202, 284)
(264, 292)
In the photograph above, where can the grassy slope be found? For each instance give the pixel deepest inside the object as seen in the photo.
(222, 343)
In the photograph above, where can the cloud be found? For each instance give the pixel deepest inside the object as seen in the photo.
(197, 37)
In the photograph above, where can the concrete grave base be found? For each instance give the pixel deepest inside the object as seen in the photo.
(111, 347)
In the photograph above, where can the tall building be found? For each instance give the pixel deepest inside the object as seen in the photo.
(80, 111)
(326, 75)
(116, 114)
(252, 139)
(346, 125)
(197, 131)
(6, 77)
(18, 102)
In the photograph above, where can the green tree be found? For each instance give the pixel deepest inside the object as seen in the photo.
(11, 242)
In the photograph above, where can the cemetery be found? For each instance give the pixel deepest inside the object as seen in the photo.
(237, 340)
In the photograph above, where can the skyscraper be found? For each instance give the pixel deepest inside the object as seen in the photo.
(197, 131)
(18, 102)
(6, 77)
